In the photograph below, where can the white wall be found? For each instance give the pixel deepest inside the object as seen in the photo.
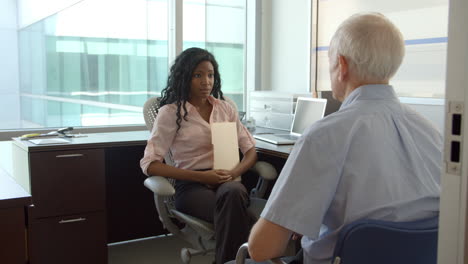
(286, 45)
(9, 76)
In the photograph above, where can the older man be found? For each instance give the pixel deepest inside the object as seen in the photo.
(374, 158)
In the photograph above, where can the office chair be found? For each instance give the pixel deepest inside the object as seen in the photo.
(374, 241)
(383, 242)
(198, 233)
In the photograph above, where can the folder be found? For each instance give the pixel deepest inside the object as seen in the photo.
(225, 145)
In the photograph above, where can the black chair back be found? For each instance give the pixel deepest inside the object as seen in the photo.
(375, 241)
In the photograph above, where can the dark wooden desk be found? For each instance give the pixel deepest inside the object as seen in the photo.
(97, 178)
(13, 200)
(86, 194)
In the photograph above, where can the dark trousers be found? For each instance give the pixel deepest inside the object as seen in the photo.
(225, 206)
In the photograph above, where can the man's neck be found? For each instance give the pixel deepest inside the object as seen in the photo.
(353, 85)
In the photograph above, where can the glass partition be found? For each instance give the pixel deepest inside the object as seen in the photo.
(424, 27)
(219, 27)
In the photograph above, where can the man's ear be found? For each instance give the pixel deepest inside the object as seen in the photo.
(343, 68)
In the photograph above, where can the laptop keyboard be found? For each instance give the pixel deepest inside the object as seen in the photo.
(290, 137)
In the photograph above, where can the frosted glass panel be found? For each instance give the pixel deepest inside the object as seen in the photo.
(424, 26)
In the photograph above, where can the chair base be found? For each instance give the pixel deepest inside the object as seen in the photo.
(187, 253)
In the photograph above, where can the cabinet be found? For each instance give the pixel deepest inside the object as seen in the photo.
(13, 200)
(71, 239)
(67, 221)
(85, 194)
(12, 240)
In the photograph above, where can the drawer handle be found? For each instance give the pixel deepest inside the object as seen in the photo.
(69, 155)
(72, 220)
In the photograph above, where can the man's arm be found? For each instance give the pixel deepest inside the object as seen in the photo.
(267, 240)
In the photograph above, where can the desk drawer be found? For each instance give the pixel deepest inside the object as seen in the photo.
(67, 182)
(13, 234)
(74, 239)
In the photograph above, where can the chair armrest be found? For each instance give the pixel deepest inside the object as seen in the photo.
(267, 173)
(159, 186)
(243, 252)
(265, 170)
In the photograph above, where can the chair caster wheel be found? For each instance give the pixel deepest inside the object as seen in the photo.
(185, 255)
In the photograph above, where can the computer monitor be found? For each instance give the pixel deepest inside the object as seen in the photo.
(308, 110)
(333, 105)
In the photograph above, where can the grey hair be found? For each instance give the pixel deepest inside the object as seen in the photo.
(372, 45)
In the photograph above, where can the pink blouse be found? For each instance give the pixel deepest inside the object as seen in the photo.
(191, 146)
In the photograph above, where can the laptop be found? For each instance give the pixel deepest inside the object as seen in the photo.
(308, 110)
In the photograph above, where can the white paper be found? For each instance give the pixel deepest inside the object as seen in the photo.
(46, 141)
(225, 145)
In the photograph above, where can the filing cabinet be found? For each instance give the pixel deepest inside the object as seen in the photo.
(12, 238)
(67, 221)
(71, 239)
(13, 200)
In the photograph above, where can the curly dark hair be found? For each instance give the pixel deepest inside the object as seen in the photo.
(180, 77)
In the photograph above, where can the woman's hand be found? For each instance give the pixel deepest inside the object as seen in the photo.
(232, 173)
(216, 177)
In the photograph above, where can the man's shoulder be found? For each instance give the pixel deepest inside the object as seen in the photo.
(337, 119)
(338, 125)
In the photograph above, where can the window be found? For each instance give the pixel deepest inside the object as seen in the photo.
(95, 71)
(95, 63)
(219, 27)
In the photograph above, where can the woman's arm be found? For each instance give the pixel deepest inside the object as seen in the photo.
(247, 162)
(212, 177)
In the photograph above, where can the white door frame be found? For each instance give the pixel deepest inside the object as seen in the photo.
(453, 204)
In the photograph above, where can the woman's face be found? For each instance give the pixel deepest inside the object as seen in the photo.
(202, 81)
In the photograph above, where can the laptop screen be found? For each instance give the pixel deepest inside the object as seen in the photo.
(308, 110)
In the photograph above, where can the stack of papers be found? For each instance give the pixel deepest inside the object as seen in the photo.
(46, 141)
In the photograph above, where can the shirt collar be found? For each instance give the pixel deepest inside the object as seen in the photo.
(370, 92)
(213, 101)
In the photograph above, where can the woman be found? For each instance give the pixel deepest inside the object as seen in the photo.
(188, 106)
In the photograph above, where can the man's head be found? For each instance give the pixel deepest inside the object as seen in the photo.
(366, 49)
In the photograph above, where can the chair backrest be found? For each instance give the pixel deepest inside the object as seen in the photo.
(150, 111)
(375, 241)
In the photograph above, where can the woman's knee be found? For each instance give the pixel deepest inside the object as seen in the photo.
(232, 190)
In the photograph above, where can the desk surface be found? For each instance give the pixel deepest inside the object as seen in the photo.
(132, 138)
(94, 140)
(11, 193)
(281, 151)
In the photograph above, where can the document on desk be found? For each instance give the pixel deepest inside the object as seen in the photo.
(225, 145)
(48, 141)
